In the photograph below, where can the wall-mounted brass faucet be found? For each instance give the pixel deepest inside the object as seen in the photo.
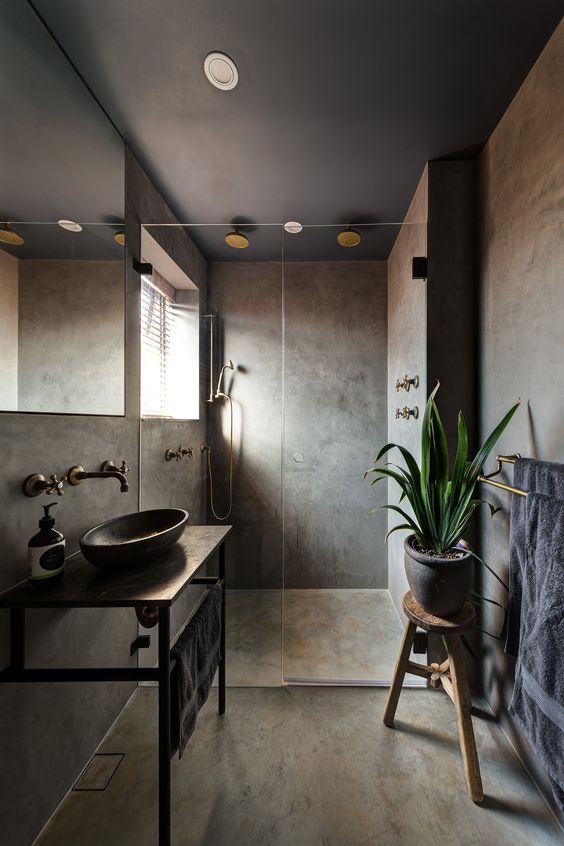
(406, 412)
(179, 453)
(37, 483)
(407, 382)
(78, 474)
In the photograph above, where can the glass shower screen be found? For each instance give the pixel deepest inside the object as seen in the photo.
(340, 625)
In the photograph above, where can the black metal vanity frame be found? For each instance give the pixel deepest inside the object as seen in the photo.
(177, 569)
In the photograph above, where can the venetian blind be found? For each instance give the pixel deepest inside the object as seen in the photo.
(156, 339)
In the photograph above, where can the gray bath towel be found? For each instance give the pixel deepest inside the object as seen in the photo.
(197, 654)
(538, 697)
(541, 477)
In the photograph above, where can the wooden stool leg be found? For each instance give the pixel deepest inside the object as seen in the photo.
(463, 705)
(399, 674)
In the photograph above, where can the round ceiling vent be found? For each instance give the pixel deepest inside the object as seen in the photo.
(221, 71)
(70, 225)
(293, 227)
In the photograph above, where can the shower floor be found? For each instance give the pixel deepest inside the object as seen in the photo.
(327, 636)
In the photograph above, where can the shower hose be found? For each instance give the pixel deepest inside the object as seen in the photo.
(230, 472)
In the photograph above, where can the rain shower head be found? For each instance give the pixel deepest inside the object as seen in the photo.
(219, 392)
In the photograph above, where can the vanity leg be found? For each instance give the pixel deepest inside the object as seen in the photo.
(221, 707)
(17, 638)
(164, 726)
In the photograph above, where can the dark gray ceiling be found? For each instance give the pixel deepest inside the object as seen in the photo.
(338, 107)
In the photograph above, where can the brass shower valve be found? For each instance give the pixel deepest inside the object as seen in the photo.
(407, 382)
(178, 454)
(406, 412)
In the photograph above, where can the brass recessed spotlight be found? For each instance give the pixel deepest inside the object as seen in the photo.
(237, 240)
(119, 238)
(348, 238)
(8, 236)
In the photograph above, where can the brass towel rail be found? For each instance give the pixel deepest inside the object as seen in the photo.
(490, 480)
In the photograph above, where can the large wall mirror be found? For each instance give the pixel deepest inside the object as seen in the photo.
(62, 197)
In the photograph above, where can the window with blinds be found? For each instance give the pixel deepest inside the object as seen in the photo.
(156, 341)
(169, 350)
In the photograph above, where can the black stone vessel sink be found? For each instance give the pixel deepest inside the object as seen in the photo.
(134, 539)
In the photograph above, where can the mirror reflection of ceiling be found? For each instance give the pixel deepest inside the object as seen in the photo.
(61, 157)
(337, 109)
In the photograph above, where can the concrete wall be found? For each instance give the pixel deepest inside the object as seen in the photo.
(407, 354)
(335, 412)
(432, 323)
(166, 484)
(48, 732)
(8, 331)
(522, 303)
(67, 309)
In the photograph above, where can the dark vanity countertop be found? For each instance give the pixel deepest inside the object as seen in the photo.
(161, 583)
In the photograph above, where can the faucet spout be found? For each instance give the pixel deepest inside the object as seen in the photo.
(78, 474)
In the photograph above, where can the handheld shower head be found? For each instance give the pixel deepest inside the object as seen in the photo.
(219, 392)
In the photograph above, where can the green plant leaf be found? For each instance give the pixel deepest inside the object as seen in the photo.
(481, 456)
(485, 599)
(460, 461)
(487, 566)
(397, 528)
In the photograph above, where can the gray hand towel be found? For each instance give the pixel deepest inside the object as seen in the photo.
(541, 477)
(197, 654)
(538, 697)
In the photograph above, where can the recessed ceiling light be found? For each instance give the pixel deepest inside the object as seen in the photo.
(70, 225)
(221, 71)
(237, 240)
(8, 236)
(119, 238)
(348, 238)
(293, 227)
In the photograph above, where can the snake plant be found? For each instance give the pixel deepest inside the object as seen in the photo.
(441, 506)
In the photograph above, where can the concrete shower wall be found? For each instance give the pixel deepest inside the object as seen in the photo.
(335, 413)
(407, 354)
(432, 323)
(248, 299)
(522, 303)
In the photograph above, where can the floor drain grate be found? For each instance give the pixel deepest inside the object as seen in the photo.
(99, 771)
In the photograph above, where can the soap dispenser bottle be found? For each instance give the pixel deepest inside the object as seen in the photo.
(46, 552)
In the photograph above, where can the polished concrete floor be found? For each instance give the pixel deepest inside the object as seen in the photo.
(320, 635)
(307, 766)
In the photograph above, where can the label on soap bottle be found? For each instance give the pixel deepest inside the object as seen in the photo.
(44, 562)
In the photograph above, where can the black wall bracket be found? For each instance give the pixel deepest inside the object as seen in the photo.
(141, 642)
(419, 267)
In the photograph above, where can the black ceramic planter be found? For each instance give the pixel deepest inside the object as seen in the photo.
(440, 585)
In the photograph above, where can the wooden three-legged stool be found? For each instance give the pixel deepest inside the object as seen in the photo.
(451, 674)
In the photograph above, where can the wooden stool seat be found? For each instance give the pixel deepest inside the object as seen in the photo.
(450, 675)
(463, 621)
